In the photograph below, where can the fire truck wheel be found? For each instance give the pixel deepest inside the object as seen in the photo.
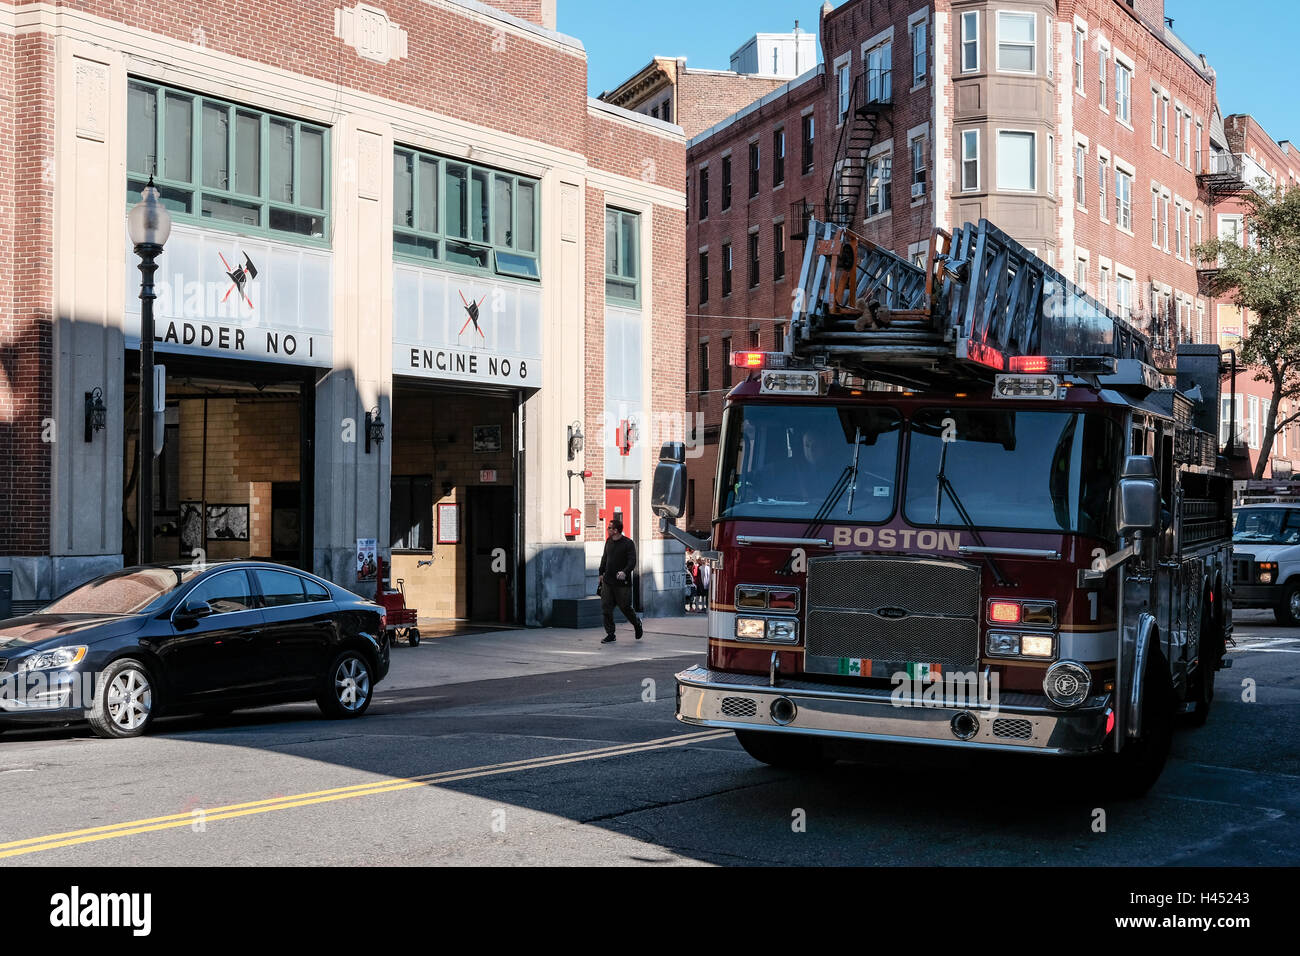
(1201, 691)
(413, 637)
(1287, 610)
(790, 751)
(1135, 768)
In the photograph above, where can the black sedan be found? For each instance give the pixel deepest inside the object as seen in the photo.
(125, 647)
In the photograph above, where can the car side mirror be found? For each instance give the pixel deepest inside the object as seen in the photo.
(668, 493)
(1139, 496)
(193, 610)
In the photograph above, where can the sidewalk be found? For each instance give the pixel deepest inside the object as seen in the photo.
(516, 652)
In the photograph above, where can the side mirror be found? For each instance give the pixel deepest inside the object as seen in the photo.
(668, 493)
(193, 610)
(1139, 496)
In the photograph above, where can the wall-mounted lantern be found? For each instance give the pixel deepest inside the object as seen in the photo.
(374, 428)
(96, 413)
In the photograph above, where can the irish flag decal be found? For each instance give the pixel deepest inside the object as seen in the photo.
(855, 667)
(924, 671)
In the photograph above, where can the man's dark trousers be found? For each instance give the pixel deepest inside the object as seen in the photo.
(620, 595)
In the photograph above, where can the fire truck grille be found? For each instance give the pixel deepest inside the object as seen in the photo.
(1013, 729)
(893, 610)
(739, 707)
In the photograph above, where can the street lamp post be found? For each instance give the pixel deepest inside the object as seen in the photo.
(148, 225)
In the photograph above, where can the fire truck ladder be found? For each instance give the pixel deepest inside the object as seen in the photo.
(981, 299)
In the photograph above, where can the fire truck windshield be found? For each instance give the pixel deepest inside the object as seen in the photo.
(1021, 470)
(788, 461)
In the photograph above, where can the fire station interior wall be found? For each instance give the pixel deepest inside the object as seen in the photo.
(433, 437)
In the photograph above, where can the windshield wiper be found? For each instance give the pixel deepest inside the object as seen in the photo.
(942, 485)
(823, 512)
(853, 481)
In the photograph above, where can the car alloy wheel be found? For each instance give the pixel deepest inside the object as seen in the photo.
(352, 683)
(130, 700)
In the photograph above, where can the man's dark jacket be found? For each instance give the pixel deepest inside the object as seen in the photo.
(619, 556)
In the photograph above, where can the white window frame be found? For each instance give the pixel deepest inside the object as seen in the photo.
(1080, 53)
(843, 86)
(1081, 174)
(1252, 421)
(974, 135)
(1049, 44)
(970, 38)
(1103, 173)
(1081, 265)
(1155, 117)
(876, 47)
(874, 162)
(1164, 122)
(1124, 91)
(1033, 161)
(1178, 131)
(1103, 68)
(1124, 305)
(918, 26)
(916, 147)
(1033, 44)
(1051, 164)
(1200, 134)
(1164, 218)
(1124, 204)
(1155, 215)
(1103, 281)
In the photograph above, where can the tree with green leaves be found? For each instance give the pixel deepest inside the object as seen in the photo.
(1260, 272)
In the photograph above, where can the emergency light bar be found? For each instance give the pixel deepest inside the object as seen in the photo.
(758, 359)
(1062, 364)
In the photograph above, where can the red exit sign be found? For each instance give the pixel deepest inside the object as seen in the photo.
(487, 475)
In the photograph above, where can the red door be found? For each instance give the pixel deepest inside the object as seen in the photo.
(618, 501)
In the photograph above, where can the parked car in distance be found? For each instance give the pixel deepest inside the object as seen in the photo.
(1266, 559)
(130, 645)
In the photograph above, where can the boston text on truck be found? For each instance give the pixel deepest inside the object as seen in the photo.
(967, 506)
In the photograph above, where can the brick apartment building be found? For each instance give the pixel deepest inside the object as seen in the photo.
(1078, 126)
(484, 271)
(1245, 157)
(696, 99)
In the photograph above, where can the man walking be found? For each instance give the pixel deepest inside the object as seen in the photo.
(616, 566)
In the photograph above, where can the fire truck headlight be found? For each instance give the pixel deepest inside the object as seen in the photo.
(1004, 644)
(1036, 645)
(1067, 683)
(781, 630)
(751, 627)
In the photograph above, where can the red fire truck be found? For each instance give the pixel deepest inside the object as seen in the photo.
(964, 507)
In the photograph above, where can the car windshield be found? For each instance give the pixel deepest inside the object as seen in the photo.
(124, 592)
(782, 461)
(1022, 470)
(1267, 526)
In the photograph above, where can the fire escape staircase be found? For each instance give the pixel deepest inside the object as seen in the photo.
(869, 109)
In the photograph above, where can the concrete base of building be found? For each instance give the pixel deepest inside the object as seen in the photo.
(45, 577)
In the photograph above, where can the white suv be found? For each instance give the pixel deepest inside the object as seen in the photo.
(1266, 559)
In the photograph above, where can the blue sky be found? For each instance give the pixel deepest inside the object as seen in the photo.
(1252, 52)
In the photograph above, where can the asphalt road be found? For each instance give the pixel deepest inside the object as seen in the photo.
(543, 747)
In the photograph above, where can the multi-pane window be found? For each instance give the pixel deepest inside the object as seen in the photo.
(1164, 219)
(1103, 287)
(726, 269)
(1080, 177)
(1051, 165)
(704, 193)
(970, 41)
(1101, 186)
(704, 279)
(1199, 131)
(918, 53)
(1049, 41)
(753, 259)
(970, 160)
(880, 73)
(1164, 123)
(1102, 69)
(704, 366)
(879, 177)
(1123, 199)
(465, 215)
(1155, 216)
(1123, 91)
(1016, 161)
(218, 162)
(806, 136)
(1017, 41)
(1178, 132)
(1081, 274)
(778, 251)
(1155, 117)
(918, 165)
(1187, 140)
(753, 170)
(844, 78)
(1178, 231)
(778, 157)
(1124, 296)
(1080, 43)
(622, 255)
(726, 183)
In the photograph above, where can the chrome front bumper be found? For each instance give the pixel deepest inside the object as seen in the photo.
(1018, 722)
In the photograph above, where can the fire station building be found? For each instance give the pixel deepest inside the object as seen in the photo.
(417, 284)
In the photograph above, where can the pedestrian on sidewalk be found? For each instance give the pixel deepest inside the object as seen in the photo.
(616, 566)
(692, 586)
(704, 574)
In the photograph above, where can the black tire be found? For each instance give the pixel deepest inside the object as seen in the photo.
(126, 699)
(413, 637)
(1135, 768)
(788, 751)
(1287, 610)
(333, 698)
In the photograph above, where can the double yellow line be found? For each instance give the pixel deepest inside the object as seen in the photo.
(172, 821)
